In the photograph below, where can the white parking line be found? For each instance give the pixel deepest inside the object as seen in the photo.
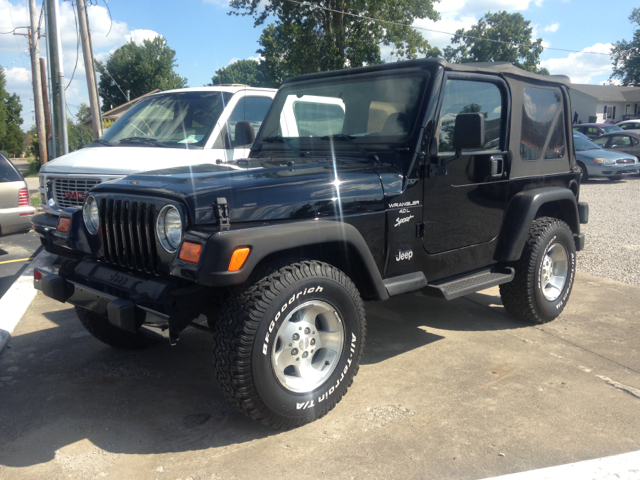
(16, 300)
(618, 467)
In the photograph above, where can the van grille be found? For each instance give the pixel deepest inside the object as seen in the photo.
(71, 192)
(127, 229)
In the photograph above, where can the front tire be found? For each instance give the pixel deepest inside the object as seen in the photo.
(544, 274)
(288, 343)
(100, 328)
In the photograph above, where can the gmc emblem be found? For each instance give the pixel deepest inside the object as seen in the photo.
(74, 195)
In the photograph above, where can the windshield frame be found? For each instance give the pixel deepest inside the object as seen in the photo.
(368, 141)
(145, 102)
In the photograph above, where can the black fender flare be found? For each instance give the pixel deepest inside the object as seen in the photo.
(270, 239)
(522, 211)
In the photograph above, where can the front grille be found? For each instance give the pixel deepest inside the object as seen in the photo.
(71, 192)
(127, 229)
(625, 161)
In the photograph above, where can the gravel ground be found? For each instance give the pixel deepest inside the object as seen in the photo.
(612, 248)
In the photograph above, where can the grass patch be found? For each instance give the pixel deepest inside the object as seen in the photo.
(34, 168)
(35, 200)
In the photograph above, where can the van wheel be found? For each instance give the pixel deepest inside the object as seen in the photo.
(544, 274)
(100, 328)
(288, 343)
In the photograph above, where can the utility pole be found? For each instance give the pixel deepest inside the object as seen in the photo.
(63, 103)
(57, 78)
(87, 53)
(45, 97)
(34, 39)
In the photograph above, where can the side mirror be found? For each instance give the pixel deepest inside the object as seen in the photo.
(245, 135)
(468, 132)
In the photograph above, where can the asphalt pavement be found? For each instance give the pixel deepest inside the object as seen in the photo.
(446, 390)
(16, 251)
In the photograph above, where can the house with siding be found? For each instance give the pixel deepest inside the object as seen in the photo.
(604, 103)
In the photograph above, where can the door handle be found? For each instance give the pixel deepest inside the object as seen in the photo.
(497, 166)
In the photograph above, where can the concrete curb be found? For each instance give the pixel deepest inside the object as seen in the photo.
(15, 302)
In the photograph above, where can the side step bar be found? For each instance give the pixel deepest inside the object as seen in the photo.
(461, 286)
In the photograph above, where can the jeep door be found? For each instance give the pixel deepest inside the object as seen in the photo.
(465, 199)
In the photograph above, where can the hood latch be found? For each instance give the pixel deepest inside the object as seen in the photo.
(221, 211)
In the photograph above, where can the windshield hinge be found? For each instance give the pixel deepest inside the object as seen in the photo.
(221, 210)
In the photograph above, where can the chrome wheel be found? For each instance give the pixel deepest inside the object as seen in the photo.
(553, 274)
(308, 346)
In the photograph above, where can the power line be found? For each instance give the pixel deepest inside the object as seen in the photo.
(75, 18)
(391, 22)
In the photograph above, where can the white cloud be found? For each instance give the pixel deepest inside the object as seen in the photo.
(106, 34)
(552, 28)
(218, 3)
(583, 66)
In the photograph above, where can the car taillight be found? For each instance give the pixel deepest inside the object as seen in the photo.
(23, 198)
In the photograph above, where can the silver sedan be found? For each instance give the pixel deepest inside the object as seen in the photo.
(15, 208)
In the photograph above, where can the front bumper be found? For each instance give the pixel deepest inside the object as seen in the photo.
(610, 170)
(152, 306)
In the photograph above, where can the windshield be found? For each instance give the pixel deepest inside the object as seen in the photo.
(581, 144)
(178, 120)
(365, 109)
(611, 128)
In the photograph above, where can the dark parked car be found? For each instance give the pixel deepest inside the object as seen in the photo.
(627, 142)
(593, 130)
(363, 183)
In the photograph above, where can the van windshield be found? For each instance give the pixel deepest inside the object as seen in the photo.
(177, 120)
(365, 109)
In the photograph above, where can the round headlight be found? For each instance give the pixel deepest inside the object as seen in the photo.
(169, 228)
(90, 214)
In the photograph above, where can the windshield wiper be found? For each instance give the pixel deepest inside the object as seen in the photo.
(287, 142)
(340, 137)
(147, 140)
(103, 142)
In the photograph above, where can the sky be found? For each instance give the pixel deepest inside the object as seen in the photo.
(206, 38)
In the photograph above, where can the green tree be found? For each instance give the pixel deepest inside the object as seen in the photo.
(307, 38)
(11, 135)
(509, 40)
(79, 135)
(84, 113)
(139, 69)
(625, 56)
(3, 108)
(246, 72)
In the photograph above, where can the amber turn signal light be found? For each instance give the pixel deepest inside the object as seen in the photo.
(238, 258)
(63, 224)
(190, 252)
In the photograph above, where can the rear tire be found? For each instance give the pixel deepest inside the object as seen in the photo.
(544, 274)
(100, 328)
(289, 342)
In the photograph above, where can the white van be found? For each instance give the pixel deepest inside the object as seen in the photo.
(188, 126)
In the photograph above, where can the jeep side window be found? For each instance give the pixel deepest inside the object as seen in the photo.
(468, 96)
(542, 117)
(248, 109)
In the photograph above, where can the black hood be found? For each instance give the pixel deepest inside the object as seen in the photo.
(264, 190)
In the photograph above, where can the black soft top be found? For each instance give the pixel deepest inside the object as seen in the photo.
(502, 68)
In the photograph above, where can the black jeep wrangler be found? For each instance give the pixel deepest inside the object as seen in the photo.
(362, 184)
